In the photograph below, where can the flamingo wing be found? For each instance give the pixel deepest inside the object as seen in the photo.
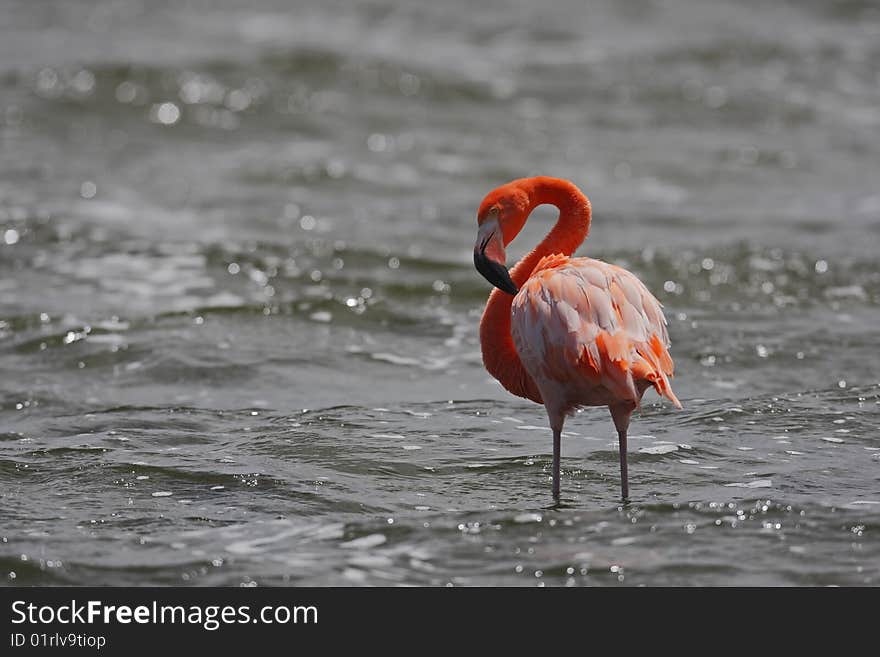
(585, 323)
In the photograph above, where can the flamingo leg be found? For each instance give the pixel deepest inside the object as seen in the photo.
(557, 448)
(557, 420)
(624, 472)
(621, 414)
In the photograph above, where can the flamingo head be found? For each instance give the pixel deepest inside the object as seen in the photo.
(501, 216)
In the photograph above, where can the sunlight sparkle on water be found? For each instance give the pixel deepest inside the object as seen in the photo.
(165, 113)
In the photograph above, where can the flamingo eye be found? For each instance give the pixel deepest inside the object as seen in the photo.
(489, 215)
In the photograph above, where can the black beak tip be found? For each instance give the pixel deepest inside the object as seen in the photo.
(495, 273)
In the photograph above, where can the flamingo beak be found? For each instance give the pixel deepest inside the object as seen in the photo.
(489, 257)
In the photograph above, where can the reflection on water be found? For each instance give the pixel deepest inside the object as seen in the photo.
(238, 314)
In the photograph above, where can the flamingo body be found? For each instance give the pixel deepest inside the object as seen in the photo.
(561, 331)
(590, 334)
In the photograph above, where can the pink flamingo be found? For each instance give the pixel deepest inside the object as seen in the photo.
(566, 332)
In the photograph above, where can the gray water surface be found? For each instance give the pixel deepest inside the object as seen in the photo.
(238, 313)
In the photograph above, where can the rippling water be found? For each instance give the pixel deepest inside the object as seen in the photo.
(238, 313)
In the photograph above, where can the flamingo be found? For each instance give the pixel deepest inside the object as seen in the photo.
(566, 332)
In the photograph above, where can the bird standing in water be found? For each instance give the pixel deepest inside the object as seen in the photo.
(566, 332)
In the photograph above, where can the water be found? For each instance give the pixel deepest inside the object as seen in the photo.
(238, 313)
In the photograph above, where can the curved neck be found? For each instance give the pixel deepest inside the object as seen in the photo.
(499, 353)
(570, 230)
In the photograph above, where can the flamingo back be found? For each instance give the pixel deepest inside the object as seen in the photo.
(592, 330)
